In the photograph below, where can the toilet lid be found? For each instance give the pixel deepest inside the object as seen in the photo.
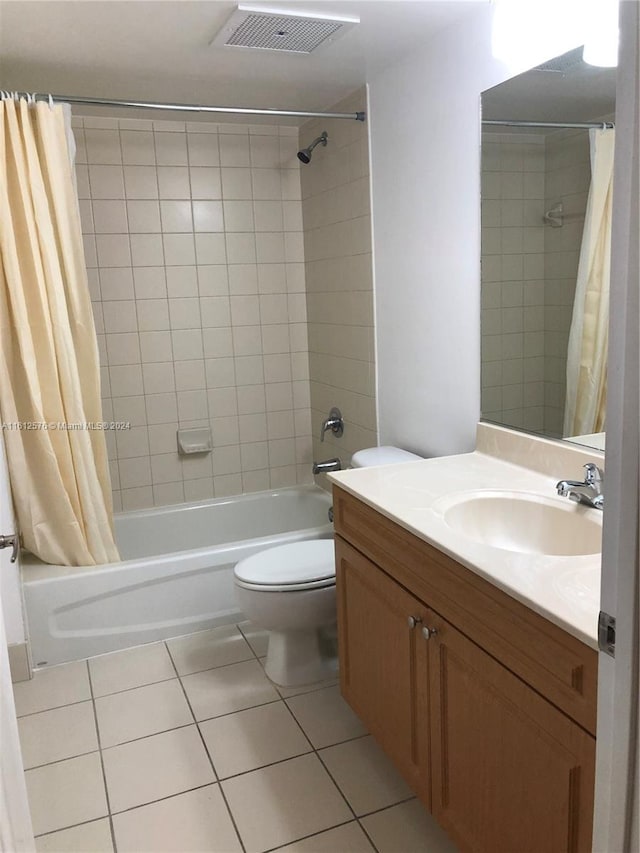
(296, 563)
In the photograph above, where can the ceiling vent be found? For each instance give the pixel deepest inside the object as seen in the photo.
(272, 29)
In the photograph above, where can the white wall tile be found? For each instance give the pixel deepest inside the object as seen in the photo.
(179, 249)
(171, 149)
(208, 216)
(140, 182)
(182, 281)
(162, 408)
(158, 377)
(116, 283)
(146, 250)
(241, 248)
(236, 183)
(175, 223)
(143, 217)
(173, 182)
(234, 150)
(205, 183)
(210, 249)
(113, 250)
(153, 315)
(203, 149)
(137, 148)
(120, 316)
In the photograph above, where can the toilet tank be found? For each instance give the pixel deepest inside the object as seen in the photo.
(382, 456)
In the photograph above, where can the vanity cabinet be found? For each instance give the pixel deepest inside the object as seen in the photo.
(486, 708)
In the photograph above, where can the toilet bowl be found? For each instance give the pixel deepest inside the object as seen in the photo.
(290, 591)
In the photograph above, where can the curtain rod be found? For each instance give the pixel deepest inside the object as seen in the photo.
(603, 125)
(189, 108)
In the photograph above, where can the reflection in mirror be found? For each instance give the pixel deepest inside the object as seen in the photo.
(547, 164)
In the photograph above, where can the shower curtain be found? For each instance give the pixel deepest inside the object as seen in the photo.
(49, 369)
(588, 338)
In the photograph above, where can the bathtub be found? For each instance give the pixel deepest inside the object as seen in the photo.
(176, 574)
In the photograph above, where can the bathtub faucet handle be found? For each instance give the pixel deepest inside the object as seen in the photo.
(334, 422)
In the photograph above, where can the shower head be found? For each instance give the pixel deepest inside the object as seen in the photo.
(305, 155)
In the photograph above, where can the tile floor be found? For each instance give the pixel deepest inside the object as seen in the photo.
(186, 746)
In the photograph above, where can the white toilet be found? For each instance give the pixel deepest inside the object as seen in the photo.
(291, 591)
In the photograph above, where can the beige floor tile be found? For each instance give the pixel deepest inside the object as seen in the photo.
(57, 734)
(130, 668)
(94, 837)
(348, 838)
(227, 689)
(142, 711)
(365, 775)
(251, 739)
(155, 767)
(325, 717)
(209, 649)
(52, 688)
(195, 821)
(279, 804)
(407, 828)
(287, 692)
(256, 637)
(66, 793)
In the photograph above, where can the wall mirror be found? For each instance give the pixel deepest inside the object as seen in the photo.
(546, 171)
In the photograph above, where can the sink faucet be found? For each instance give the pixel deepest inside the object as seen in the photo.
(588, 492)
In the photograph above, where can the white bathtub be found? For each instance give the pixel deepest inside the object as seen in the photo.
(176, 574)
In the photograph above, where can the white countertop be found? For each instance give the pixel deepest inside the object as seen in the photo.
(563, 589)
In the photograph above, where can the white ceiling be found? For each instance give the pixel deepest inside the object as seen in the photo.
(579, 93)
(160, 51)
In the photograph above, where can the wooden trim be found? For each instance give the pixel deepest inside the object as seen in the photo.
(559, 666)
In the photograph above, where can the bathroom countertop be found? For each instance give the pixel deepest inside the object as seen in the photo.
(563, 589)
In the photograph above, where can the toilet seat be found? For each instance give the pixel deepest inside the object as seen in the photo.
(287, 568)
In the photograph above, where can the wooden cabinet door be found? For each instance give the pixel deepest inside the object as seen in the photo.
(383, 663)
(511, 773)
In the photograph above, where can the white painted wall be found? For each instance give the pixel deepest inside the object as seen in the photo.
(425, 148)
(10, 589)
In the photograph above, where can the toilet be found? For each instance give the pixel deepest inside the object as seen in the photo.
(290, 590)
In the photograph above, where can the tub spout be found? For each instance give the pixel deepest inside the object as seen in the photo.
(326, 466)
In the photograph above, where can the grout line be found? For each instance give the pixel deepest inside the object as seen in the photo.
(61, 760)
(312, 751)
(206, 749)
(72, 826)
(54, 708)
(312, 835)
(368, 837)
(390, 806)
(104, 775)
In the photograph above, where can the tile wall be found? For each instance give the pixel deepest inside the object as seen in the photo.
(512, 320)
(529, 273)
(337, 241)
(193, 239)
(567, 179)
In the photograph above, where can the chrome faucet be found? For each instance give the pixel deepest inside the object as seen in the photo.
(326, 466)
(589, 491)
(334, 422)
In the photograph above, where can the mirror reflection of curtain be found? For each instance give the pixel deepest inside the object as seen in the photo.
(49, 368)
(588, 338)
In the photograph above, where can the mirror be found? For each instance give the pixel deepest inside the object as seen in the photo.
(535, 188)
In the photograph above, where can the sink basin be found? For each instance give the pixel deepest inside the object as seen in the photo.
(525, 523)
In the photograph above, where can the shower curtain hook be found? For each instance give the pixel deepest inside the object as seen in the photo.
(50, 101)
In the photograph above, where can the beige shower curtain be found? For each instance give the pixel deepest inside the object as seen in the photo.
(49, 369)
(588, 338)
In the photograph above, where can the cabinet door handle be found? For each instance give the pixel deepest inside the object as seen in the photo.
(412, 621)
(427, 632)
